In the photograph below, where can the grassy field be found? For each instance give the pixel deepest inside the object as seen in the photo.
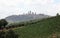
(46, 28)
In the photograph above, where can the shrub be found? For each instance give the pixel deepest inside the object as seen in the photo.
(11, 34)
(2, 34)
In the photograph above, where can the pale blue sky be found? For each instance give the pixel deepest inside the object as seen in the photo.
(16, 7)
(57, 1)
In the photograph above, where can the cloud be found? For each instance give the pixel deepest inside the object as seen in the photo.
(42, 2)
(10, 2)
(10, 7)
(43, 6)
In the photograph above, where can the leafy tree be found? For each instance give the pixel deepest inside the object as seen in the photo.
(0, 24)
(3, 23)
(57, 14)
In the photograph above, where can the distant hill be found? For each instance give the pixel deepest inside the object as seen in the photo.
(20, 18)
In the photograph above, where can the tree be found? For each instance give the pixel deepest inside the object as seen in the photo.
(3, 23)
(57, 14)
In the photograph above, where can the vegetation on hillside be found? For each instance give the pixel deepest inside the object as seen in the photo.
(46, 28)
(8, 34)
(3, 23)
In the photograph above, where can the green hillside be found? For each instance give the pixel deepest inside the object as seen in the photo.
(42, 29)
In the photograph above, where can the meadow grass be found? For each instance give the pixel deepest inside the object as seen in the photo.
(42, 29)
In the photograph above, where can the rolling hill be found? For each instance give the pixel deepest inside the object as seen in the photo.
(46, 28)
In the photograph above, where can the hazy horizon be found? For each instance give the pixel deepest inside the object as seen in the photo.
(16, 7)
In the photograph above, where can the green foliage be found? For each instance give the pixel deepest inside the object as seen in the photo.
(2, 34)
(3, 23)
(8, 34)
(41, 28)
(11, 34)
(57, 14)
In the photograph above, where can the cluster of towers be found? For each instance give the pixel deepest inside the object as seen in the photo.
(30, 13)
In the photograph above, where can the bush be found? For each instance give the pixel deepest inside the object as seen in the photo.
(8, 34)
(2, 34)
(11, 34)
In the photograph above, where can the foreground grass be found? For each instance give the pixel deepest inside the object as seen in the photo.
(42, 29)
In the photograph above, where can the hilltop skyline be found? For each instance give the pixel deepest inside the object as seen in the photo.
(16, 7)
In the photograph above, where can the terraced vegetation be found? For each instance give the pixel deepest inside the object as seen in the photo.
(47, 28)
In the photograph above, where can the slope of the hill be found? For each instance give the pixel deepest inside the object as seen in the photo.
(46, 28)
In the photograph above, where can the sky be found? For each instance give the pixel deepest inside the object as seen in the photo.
(16, 7)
